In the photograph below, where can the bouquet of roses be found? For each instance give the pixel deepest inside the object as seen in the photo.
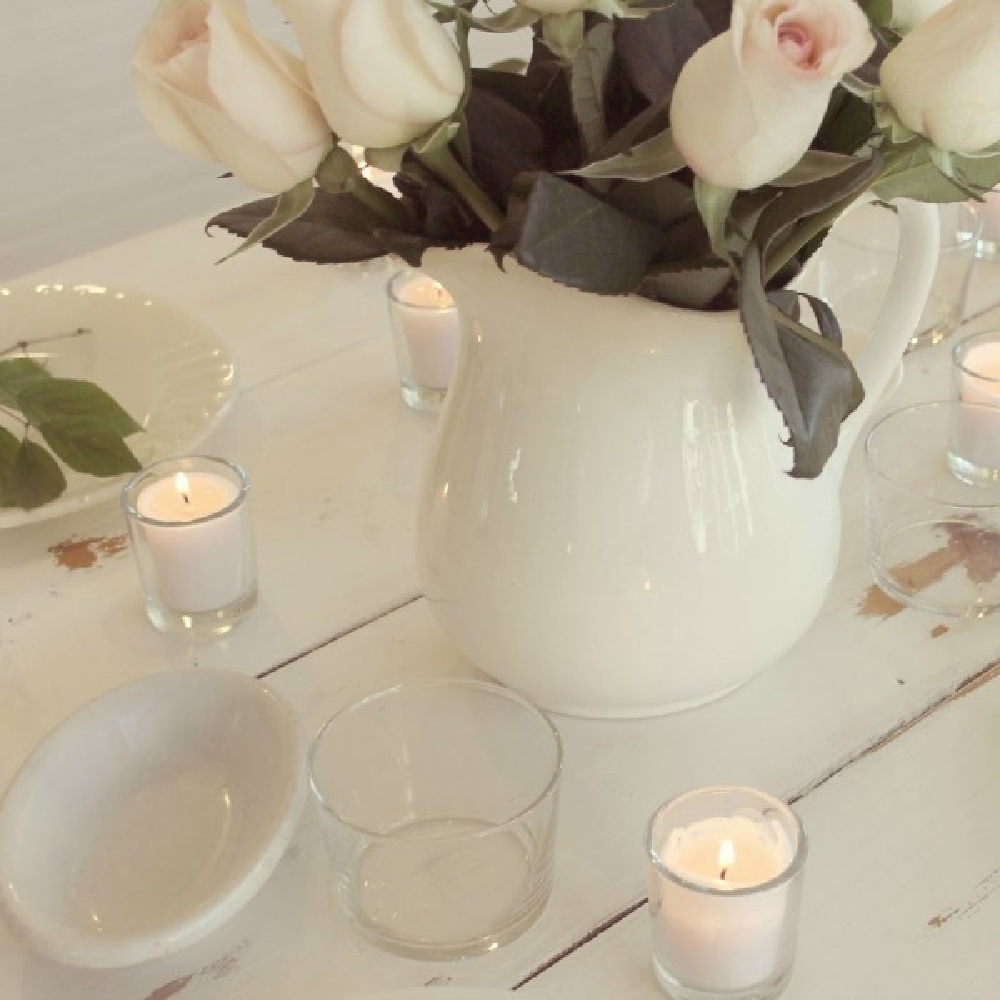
(694, 152)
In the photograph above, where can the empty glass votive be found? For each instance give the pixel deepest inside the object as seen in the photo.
(725, 869)
(988, 247)
(438, 806)
(425, 336)
(189, 525)
(856, 262)
(933, 538)
(974, 450)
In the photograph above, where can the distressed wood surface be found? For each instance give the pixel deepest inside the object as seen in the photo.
(860, 723)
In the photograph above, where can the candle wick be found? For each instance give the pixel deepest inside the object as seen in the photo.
(187, 499)
(722, 874)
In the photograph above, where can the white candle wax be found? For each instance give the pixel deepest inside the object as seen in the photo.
(429, 321)
(976, 437)
(723, 940)
(198, 563)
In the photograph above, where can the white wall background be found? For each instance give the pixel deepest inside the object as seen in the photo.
(79, 167)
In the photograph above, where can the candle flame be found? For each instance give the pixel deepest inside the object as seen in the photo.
(182, 486)
(727, 855)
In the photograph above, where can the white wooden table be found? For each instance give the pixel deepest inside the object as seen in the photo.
(882, 725)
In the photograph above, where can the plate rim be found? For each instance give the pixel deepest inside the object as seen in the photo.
(103, 489)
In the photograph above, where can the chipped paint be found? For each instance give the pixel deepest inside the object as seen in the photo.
(941, 919)
(974, 548)
(984, 889)
(218, 969)
(878, 604)
(170, 989)
(84, 552)
(222, 967)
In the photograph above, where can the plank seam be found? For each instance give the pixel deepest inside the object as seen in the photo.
(964, 687)
(357, 626)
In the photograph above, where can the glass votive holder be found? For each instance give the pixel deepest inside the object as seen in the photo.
(988, 247)
(438, 805)
(855, 265)
(189, 526)
(424, 322)
(974, 450)
(933, 538)
(725, 870)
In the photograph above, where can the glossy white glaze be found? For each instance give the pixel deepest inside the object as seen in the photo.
(150, 817)
(607, 524)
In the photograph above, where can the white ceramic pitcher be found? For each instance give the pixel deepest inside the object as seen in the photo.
(607, 524)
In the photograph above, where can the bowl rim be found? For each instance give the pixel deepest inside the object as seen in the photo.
(66, 943)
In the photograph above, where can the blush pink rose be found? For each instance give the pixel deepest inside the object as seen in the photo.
(749, 102)
(212, 88)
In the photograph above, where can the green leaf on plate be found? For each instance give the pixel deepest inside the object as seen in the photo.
(64, 399)
(16, 374)
(32, 477)
(88, 445)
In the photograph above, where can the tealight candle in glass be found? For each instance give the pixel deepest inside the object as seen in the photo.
(974, 445)
(189, 526)
(725, 869)
(425, 334)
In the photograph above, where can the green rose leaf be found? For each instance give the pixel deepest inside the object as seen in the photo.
(815, 165)
(811, 380)
(563, 34)
(707, 287)
(578, 240)
(29, 475)
(65, 399)
(288, 206)
(335, 229)
(16, 374)
(646, 161)
(88, 445)
(588, 83)
(911, 172)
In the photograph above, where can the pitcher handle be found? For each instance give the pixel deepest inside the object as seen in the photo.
(909, 288)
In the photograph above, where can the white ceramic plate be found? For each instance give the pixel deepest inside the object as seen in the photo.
(150, 817)
(439, 993)
(168, 369)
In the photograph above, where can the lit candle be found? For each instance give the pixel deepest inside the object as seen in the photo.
(722, 899)
(977, 365)
(428, 318)
(194, 535)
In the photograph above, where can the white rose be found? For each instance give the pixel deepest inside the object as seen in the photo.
(907, 14)
(942, 78)
(211, 88)
(748, 103)
(384, 71)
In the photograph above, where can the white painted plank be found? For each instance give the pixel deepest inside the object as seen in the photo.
(335, 458)
(903, 882)
(782, 732)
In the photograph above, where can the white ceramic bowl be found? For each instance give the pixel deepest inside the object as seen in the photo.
(150, 817)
